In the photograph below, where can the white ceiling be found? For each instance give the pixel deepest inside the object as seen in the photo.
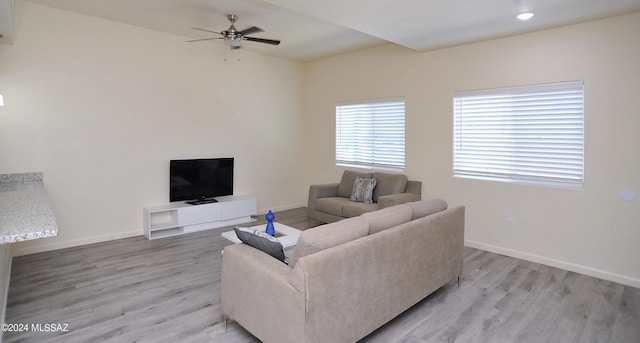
(311, 29)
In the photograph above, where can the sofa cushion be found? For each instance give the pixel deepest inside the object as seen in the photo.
(388, 184)
(332, 205)
(328, 236)
(424, 208)
(387, 217)
(363, 190)
(345, 188)
(354, 209)
(262, 241)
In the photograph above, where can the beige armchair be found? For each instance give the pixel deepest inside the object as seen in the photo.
(332, 202)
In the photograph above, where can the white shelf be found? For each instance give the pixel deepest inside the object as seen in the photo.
(181, 218)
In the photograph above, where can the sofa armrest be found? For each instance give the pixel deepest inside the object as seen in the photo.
(256, 293)
(414, 187)
(327, 190)
(396, 199)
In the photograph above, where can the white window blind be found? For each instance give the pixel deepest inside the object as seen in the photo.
(531, 134)
(371, 134)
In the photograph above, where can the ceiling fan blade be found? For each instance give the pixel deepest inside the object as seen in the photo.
(262, 40)
(250, 30)
(197, 28)
(197, 40)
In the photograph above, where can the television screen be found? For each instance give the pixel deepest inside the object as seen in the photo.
(200, 179)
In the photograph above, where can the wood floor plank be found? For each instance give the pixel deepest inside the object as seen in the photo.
(627, 325)
(514, 311)
(168, 290)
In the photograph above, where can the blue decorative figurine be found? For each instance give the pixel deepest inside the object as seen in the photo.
(270, 217)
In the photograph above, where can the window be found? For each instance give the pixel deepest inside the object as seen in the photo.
(371, 134)
(530, 134)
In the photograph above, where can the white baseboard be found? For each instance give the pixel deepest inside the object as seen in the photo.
(26, 250)
(602, 274)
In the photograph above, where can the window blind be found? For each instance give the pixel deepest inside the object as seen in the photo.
(371, 134)
(532, 134)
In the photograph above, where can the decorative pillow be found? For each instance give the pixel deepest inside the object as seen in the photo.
(346, 184)
(262, 241)
(363, 190)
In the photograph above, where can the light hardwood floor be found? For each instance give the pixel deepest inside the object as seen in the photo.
(168, 290)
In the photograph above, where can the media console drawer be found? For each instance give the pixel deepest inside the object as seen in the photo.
(197, 214)
(238, 208)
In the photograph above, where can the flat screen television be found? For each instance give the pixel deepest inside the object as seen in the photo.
(200, 180)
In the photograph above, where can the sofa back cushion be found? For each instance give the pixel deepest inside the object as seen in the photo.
(345, 188)
(424, 208)
(328, 236)
(388, 184)
(387, 217)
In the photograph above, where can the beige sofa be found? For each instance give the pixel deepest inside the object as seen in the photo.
(345, 279)
(332, 202)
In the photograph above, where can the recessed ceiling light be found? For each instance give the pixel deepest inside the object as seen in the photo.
(525, 15)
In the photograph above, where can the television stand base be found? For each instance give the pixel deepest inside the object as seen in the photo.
(202, 201)
(179, 218)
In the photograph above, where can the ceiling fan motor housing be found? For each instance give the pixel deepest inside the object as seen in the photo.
(231, 35)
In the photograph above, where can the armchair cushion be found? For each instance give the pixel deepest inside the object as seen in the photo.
(389, 184)
(262, 241)
(345, 188)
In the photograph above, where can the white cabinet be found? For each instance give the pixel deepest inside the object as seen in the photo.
(179, 218)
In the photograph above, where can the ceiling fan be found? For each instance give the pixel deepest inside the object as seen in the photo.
(232, 37)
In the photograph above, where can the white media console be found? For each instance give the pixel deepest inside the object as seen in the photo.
(179, 218)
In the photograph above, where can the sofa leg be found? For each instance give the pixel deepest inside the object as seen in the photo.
(225, 323)
(458, 281)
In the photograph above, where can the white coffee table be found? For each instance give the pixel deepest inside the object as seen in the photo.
(287, 235)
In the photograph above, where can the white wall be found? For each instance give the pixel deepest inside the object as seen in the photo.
(101, 107)
(592, 230)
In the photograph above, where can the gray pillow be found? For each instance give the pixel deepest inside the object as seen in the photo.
(262, 241)
(363, 190)
(346, 184)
